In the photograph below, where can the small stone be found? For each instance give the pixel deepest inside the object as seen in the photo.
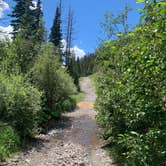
(27, 160)
(61, 144)
(81, 164)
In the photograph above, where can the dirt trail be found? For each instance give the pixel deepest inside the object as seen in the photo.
(74, 141)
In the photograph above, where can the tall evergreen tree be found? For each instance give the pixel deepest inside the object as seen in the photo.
(86, 65)
(17, 13)
(56, 34)
(38, 23)
(27, 20)
(73, 70)
(22, 17)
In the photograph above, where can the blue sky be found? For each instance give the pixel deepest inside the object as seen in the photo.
(88, 15)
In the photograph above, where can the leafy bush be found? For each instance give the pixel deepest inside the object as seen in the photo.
(69, 104)
(9, 141)
(18, 55)
(20, 104)
(8, 57)
(131, 91)
(51, 78)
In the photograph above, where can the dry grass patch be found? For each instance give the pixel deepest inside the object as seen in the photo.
(85, 104)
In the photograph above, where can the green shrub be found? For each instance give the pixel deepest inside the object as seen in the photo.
(131, 92)
(51, 77)
(20, 104)
(9, 141)
(8, 57)
(18, 55)
(69, 104)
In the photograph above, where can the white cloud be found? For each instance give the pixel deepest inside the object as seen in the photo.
(79, 53)
(63, 45)
(34, 5)
(5, 32)
(3, 6)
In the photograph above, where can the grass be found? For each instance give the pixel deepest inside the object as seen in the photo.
(79, 97)
(80, 79)
(9, 141)
(93, 79)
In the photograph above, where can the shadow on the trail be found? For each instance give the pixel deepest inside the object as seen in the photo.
(107, 147)
(33, 143)
(63, 123)
(39, 142)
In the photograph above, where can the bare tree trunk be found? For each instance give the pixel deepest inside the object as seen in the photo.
(69, 35)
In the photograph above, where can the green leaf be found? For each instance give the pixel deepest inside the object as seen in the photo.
(120, 35)
(131, 34)
(134, 133)
(139, 1)
(113, 48)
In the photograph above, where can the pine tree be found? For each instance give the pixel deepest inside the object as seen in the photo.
(17, 13)
(86, 65)
(56, 34)
(28, 32)
(22, 18)
(73, 71)
(78, 66)
(28, 21)
(38, 23)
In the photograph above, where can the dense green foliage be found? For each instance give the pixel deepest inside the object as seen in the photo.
(34, 85)
(131, 91)
(9, 141)
(39, 34)
(56, 34)
(28, 33)
(86, 65)
(19, 109)
(81, 67)
(20, 104)
(18, 55)
(73, 69)
(27, 21)
(50, 76)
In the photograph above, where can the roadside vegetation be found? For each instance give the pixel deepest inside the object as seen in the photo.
(131, 89)
(35, 86)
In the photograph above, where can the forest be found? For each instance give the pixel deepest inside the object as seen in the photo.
(40, 81)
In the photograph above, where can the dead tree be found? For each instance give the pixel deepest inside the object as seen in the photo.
(69, 34)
